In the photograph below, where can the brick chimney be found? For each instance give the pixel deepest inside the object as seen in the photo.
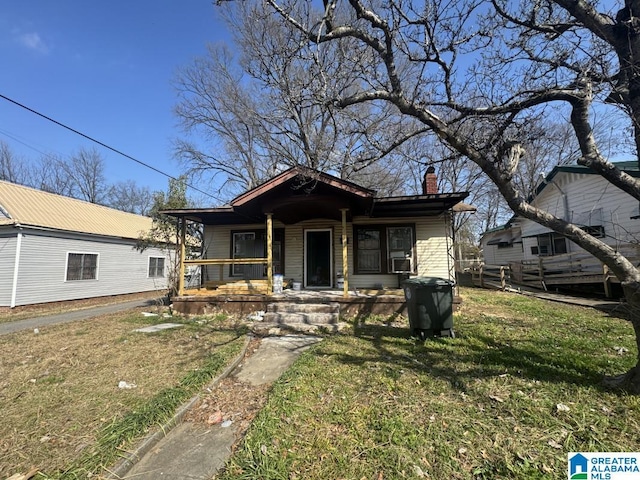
(430, 182)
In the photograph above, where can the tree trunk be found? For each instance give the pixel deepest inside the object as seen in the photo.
(630, 381)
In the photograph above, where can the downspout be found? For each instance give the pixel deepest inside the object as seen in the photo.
(16, 268)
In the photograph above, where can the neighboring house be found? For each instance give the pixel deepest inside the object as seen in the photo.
(583, 197)
(55, 248)
(315, 222)
(502, 245)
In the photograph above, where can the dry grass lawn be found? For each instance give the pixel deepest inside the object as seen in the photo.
(59, 388)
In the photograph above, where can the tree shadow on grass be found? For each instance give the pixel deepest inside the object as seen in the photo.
(461, 361)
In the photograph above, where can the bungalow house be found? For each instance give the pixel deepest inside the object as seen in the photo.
(55, 248)
(581, 196)
(318, 232)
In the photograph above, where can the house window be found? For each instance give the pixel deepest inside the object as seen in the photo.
(369, 248)
(383, 249)
(595, 231)
(82, 266)
(156, 267)
(400, 248)
(243, 247)
(550, 244)
(253, 244)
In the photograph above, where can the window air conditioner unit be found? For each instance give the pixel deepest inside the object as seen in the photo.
(401, 265)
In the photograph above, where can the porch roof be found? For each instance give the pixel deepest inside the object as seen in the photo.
(300, 194)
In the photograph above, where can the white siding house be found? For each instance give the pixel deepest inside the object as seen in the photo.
(54, 248)
(502, 245)
(583, 197)
(545, 258)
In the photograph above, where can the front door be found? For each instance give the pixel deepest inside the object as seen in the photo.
(318, 270)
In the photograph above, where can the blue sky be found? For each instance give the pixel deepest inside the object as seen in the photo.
(104, 68)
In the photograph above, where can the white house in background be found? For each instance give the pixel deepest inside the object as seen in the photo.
(502, 245)
(577, 194)
(55, 248)
(581, 196)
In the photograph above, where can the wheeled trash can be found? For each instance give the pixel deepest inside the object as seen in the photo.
(430, 306)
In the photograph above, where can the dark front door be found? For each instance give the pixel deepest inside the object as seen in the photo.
(317, 259)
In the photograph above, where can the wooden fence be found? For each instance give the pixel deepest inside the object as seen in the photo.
(567, 269)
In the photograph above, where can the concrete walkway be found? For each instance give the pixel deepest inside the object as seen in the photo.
(72, 316)
(195, 451)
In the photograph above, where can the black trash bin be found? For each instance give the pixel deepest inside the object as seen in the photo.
(430, 306)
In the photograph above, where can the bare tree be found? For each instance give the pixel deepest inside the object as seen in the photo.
(12, 168)
(129, 197)
(492, 66)
(86, 169)
(263, 110)
(50, 174)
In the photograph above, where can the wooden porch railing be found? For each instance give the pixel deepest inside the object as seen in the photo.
(229, 261)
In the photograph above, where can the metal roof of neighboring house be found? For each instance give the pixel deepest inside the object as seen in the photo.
(24, 206)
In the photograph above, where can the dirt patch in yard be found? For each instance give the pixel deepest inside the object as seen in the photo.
(231, 400)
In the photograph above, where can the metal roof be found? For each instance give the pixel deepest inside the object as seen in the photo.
(24, 206)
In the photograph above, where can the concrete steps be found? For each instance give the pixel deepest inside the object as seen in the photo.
(281, 318)
(318, 314)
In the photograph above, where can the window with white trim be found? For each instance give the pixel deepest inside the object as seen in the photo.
(156, 267)
(82, 266)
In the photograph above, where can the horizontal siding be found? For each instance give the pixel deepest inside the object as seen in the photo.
(585, 194)
(121, 269)
(502, 256)
(7, 258)
(431, 248)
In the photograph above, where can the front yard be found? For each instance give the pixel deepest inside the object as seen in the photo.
(63, 412)
(509, 397)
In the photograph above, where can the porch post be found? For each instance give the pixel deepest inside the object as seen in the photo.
(270, 253)
(183, 236)
(345, 256)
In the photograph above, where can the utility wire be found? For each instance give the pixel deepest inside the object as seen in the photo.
(129, 157)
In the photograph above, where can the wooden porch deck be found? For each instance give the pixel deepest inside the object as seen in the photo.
(358, 303)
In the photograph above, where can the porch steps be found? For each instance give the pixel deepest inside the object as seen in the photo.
(301, 316)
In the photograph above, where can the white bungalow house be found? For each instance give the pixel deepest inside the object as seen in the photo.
(55, 248)
(580, 195)
(320, 232)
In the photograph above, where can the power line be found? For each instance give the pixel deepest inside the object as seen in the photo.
(115, 150)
